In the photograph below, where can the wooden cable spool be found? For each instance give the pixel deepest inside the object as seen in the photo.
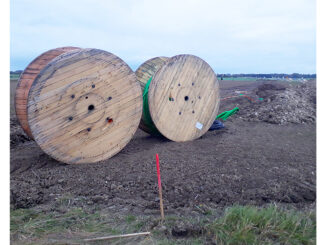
(183, 96)
(84, 106)
(26, 80)
(144, 72)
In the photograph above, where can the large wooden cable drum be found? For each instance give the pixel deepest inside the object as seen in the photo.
(84, 106)
(183, 98)
(26, 80)
(144, 72)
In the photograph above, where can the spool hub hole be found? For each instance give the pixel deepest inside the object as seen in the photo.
(109, 120)
(91, 107)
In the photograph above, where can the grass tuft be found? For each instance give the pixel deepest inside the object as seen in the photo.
(130, 219)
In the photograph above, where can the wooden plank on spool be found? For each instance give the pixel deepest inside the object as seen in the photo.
(27, 78)
(184, 98)
(85, 106)
(144, 72)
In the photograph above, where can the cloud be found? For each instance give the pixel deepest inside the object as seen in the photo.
(232, 36)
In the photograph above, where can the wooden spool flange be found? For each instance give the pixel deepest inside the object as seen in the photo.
(184, 98)
(84, 106)
(144, 72)
(25, 82)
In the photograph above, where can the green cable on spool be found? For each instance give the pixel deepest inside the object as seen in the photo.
(226, 114)
(146, 114)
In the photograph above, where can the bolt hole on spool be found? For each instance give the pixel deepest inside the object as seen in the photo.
(89, 129)
(86, 97)
(72, 96)
(110, 98)
(91, 107)
(186, 98)
(93, 85)
(109, 120)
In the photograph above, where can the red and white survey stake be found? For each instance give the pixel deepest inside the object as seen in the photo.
(159, 185)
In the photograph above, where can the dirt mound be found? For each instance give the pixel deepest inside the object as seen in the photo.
(268, 89)
(278, 104)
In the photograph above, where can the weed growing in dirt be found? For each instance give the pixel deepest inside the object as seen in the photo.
(130, 218)
(251, 225)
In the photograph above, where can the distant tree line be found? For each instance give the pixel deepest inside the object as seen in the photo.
(270, 75)
(16, 72)
(262, 75)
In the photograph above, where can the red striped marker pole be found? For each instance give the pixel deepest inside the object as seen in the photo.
(159, 185)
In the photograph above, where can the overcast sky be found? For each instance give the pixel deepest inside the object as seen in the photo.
(233, 36)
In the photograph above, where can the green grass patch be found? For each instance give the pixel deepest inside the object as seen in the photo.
(14, 76)
(238, 78)
(236, 225)
(28, 223)
(130, 219)
(252, 225)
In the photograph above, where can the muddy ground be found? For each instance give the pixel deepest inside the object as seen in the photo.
(253, 160)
